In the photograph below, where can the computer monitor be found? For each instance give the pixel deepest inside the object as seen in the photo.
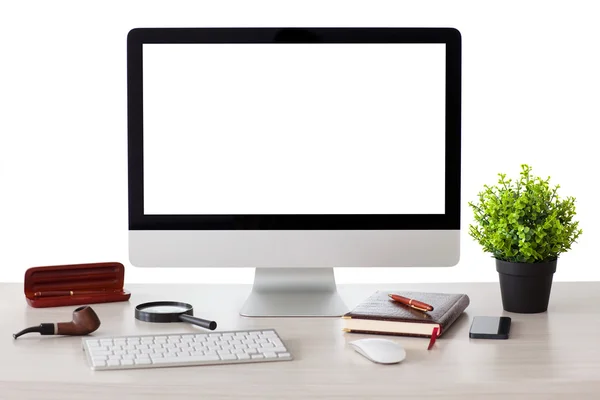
(293, 151)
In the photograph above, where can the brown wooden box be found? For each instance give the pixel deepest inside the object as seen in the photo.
(105, 277)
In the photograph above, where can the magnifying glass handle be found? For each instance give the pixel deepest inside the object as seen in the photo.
(212, 325)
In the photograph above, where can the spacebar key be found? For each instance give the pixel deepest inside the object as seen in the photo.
(190, 360)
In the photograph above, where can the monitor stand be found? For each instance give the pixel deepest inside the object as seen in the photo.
(294, 292)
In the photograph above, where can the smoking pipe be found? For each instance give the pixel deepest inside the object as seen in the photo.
(84, 321)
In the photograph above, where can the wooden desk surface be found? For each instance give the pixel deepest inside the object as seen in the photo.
(550, 355)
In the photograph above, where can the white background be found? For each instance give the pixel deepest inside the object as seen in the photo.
(530, 95)
(294, 128)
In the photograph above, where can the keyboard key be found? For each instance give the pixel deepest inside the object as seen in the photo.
(142, 361)
(257, 356)
(263, 350)
(126, 362)
(279, 350)
(229, 357)
(284, 355)
(205, 358)
(101, 353)
(243, 356)
(270, 354)
(159, 361)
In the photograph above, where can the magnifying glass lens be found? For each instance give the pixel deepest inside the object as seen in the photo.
(164, 309)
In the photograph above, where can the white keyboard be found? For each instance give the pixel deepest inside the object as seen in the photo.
(185, 349)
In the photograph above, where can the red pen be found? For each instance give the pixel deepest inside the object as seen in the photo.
(416, 304)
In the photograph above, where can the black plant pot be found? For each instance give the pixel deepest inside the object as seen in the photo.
(525, 287)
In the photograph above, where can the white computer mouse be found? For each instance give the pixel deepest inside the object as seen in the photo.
(382, 351)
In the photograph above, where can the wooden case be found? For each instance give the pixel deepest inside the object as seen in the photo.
(106, 278)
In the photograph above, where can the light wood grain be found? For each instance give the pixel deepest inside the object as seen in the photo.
(554, 355)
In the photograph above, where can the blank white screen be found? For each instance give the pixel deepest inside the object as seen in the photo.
(294, 128)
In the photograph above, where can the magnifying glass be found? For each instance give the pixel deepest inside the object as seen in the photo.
(171, 311)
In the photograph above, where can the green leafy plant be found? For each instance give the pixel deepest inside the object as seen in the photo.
(524, 220)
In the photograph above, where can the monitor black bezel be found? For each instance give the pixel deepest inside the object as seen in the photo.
(450, 220)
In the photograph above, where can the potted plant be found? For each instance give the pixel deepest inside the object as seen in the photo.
(525, 225)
